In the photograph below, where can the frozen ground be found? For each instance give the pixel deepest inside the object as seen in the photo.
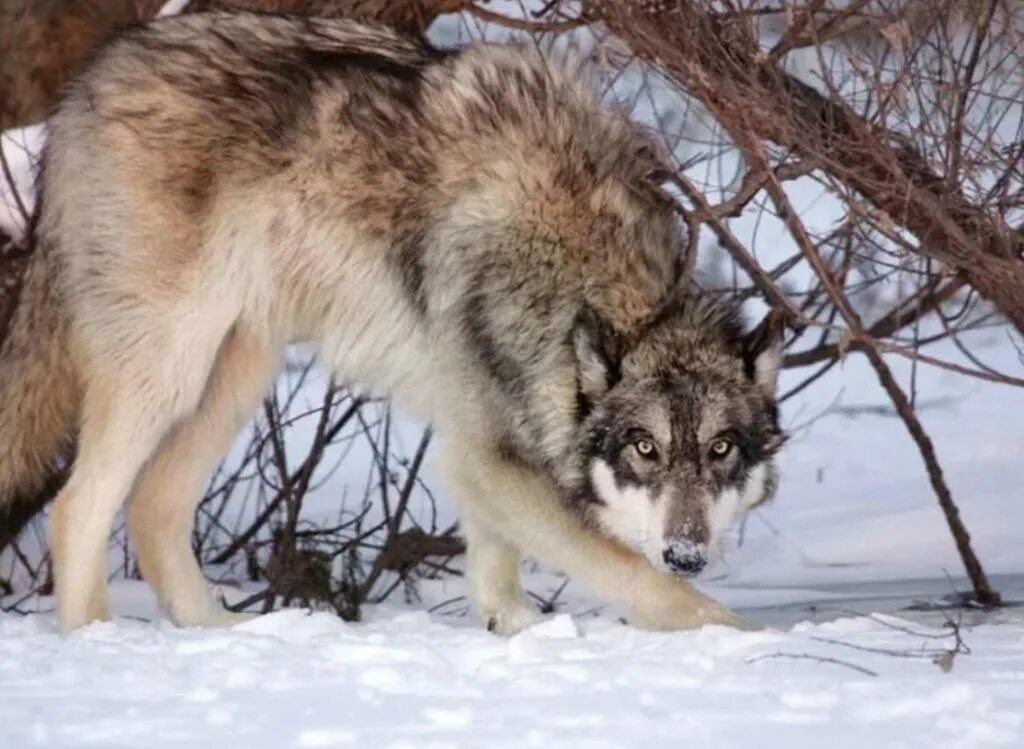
(409, 679)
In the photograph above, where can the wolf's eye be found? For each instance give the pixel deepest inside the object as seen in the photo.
(646, 449)
(720, 448)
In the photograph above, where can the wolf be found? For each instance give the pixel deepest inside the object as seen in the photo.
(466, 231)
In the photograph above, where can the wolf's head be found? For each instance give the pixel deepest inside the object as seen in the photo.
(679, 426)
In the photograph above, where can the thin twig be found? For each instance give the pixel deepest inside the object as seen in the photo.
(815, 658)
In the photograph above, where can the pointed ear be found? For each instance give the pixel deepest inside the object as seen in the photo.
(659, 173)
(598, 350)
(652, 158)
(762, 351)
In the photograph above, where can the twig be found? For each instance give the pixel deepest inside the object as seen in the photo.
(815, 658)
(984, 592)
(548, 27)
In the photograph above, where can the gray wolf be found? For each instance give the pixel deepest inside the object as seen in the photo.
(466, 231)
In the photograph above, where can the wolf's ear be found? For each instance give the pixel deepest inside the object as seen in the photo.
(598, 351)
(658, 173)
(652, 158)
(762, 351)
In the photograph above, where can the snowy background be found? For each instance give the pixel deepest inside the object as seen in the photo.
(847, 569)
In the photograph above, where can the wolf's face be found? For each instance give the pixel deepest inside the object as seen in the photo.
(680, 431)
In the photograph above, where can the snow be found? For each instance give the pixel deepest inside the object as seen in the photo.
(21, 149)
(409, 679)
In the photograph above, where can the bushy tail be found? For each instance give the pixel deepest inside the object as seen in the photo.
(39, 389)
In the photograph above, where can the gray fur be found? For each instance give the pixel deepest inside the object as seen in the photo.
(466, 231)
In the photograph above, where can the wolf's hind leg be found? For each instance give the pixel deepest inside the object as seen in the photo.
(134, 393)
(162, 510)
(492, 571)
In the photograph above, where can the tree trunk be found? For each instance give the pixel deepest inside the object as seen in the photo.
(44, 42)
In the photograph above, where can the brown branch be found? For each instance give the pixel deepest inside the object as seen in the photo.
(408, 549)
(395, 521)
(803, 32)
(978, 374)
(983, 591)
(752, 183)
(764, 283)
(901, 316)
(956, 135)
(241, 540)
(721, 64)
(551, 27)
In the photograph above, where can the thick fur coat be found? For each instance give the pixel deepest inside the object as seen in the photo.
(466, 231)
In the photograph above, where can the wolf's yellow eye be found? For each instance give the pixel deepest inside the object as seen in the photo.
(645, 448)
(720, 448)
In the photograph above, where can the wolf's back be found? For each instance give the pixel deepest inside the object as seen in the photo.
(38, 387)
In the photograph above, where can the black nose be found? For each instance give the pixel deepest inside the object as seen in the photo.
(687, 563)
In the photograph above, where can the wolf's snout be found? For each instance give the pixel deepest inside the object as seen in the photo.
(685, 559)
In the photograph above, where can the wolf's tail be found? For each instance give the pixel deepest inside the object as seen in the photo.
(39, 389)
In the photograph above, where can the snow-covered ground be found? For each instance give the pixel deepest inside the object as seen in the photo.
(409, 679)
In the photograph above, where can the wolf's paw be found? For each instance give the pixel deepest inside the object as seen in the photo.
(671, 604)
(226, 619)
(213, 617)
(727, 617)
(69, 621)
(511, 619)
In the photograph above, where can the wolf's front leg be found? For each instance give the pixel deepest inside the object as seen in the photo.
(492, 571)
(524, 509)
